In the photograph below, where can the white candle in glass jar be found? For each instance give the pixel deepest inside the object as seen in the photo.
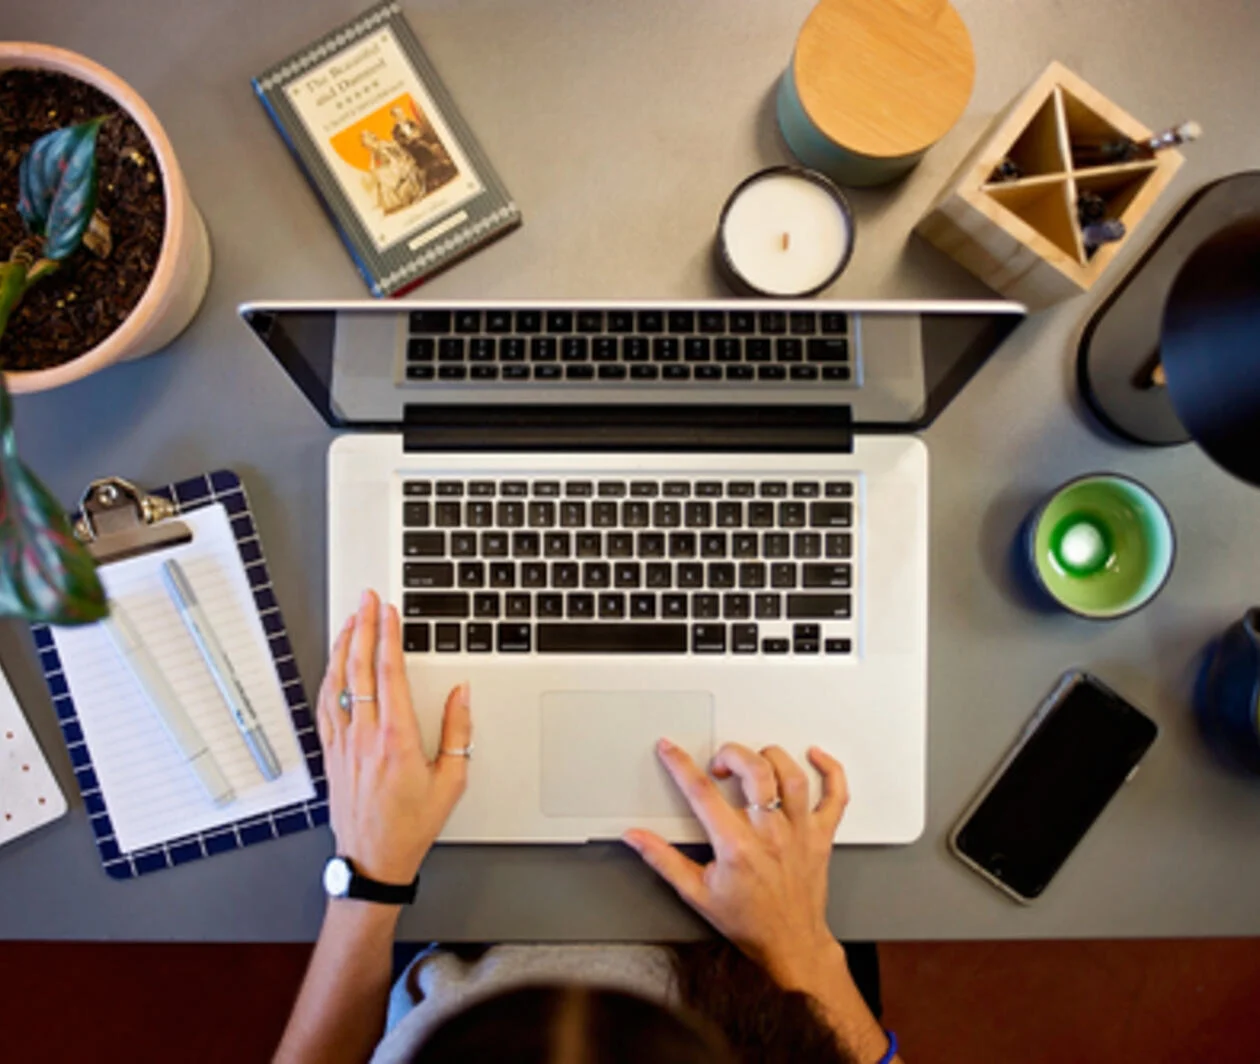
(785, 232)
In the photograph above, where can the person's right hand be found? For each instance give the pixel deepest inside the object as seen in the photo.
(766, 887)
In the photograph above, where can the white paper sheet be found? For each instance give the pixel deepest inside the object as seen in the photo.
(29, 795)
(150, 792)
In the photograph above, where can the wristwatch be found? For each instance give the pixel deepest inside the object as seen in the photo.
(343, 880)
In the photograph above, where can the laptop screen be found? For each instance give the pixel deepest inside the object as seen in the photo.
(889, 366)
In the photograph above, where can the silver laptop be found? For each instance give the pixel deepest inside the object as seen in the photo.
(620, 521)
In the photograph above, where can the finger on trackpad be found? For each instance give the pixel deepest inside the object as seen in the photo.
(599, 750)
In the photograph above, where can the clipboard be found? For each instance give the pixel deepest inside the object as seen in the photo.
(117, 520)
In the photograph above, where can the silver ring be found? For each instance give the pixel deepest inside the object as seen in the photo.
(348, 698)
(772, 806)
(459, 751)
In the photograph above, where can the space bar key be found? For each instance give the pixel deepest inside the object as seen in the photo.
(611, 639)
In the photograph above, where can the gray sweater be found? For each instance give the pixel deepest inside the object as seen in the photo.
(437, 984)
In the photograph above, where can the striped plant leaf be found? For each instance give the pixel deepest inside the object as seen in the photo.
(57, 187)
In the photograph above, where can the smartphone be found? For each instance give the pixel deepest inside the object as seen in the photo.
(1081, 745)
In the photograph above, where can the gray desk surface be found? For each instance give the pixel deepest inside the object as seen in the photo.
(621, 127)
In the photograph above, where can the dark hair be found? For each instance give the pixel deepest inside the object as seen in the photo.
(732, 1013)
(554, 1024)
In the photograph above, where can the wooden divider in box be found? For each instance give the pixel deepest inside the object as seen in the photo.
(1022, 237)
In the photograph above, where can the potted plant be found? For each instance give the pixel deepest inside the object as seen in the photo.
(45, 573)
(102, 305)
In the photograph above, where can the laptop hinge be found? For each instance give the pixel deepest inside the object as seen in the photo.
(642, 427)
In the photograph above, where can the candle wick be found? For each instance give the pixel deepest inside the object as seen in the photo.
(785, 241)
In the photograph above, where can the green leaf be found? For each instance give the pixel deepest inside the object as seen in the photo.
(57, 187)
(12, 287)
(45, 573)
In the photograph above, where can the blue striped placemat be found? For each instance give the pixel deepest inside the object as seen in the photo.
(223, 487)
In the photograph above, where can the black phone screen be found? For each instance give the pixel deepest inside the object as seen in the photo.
(1056, 786)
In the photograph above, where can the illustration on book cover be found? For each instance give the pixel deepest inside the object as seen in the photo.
(383, 139)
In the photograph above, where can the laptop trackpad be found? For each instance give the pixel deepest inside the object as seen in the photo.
(599, 750)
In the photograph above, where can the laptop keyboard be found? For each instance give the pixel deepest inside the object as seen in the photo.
(606, 346)
(629, 566)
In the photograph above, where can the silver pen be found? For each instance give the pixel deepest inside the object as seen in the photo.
(225, 678)
(166, 704)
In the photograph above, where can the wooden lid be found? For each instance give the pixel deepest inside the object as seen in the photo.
(884, 78)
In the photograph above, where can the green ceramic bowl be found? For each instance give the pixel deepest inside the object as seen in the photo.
(1102, 546)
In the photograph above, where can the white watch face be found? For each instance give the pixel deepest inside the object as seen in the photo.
(337, 877)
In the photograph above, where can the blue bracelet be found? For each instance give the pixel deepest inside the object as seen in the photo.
(892, 1049)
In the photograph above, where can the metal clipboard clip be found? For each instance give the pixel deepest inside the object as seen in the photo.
(119, 520)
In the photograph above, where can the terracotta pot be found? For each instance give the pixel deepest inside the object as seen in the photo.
(183, 269)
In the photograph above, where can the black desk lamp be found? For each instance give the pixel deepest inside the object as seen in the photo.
(1198, 375)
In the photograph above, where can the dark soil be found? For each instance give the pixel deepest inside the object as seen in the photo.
(74, 309)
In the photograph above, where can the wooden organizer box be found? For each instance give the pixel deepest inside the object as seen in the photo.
(1022, 237)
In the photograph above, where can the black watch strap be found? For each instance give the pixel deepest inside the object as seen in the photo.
(364, 889)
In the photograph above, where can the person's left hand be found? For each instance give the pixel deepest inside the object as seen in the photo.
(388, 801)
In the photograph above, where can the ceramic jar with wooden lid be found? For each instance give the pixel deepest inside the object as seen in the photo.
(873, 84)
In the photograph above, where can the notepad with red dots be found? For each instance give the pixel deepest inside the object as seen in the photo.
(29, 795)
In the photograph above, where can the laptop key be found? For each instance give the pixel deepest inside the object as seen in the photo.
(712, 321)
(674, 606)
(416, 638)
(435, 604)
(752, 575)
(819, 607)
(761, 514)
(634, 514)
(430, 321)
(792, 514)
(557, 544)
(579, 372)
(515, 489)
(565, 574)
(581, 604)
(612, 489)
(612, 606)
(827, 351)
(838, 646)
(472, 574)
(658, 574)
(713, 545)
(533, 574)
(651, 545)
(574, 349)
(675, 372)
(826, 575)
(805, 638)
(744, 638)
(691, 575)
(803, 322)
(783, 575)
(487, 604)
(730, 514)
(709, 489)
(682, 544)
(839, 489)
(774, 646)
(708, 639)
(579, 489)
(513, 638)
(481, 349)
(428, 574)
(572, 513)
(803, 372)
(666, 514)
(774, 489)
(833, 322)
(590, 321)
(776, 545)
(789, 349)
(463, 544)
(416, 514)
(480, 513)
(550, 605)
(744, 544)
(510, 514)
(698, 514)
(836, 373)
(542, 513)
(604, 349)
(807, 544)
(525, 544)
(448, 515)
(614, 372)
(590, 544)
(503, 574)
(736, 606)
(421, 373)
(494, 544)
(643, 606)
(705, 607)
(741, 489)
(767, 606)
(708, 373)
(596, 575)
(839, 544)
(831, 514)
(739, 373)
(682, 321)
(478, 638)
(498, 321)
(627, 574)
(452, 373)
(512, 349)
(417, 488)
(546, 372)
(528, 321)
(628, 637)
(559, 321)
(420, 349)
(515, 373)
(621, 321)
(728, 350)
(424, 544)
(517, 604)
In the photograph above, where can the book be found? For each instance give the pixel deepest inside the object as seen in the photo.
(378, 136)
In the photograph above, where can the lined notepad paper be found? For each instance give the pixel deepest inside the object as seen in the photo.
(151, 793)
(29, 795)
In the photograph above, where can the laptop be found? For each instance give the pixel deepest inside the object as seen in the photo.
(625, 520)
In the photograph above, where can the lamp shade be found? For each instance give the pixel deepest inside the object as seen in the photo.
(1210, 348)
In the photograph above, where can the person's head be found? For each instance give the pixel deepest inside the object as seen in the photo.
(572, 1025)
(369, 139)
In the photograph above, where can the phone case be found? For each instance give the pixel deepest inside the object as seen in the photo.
(1066, 682)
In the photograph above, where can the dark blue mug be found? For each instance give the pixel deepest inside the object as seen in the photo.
(1229, 708)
